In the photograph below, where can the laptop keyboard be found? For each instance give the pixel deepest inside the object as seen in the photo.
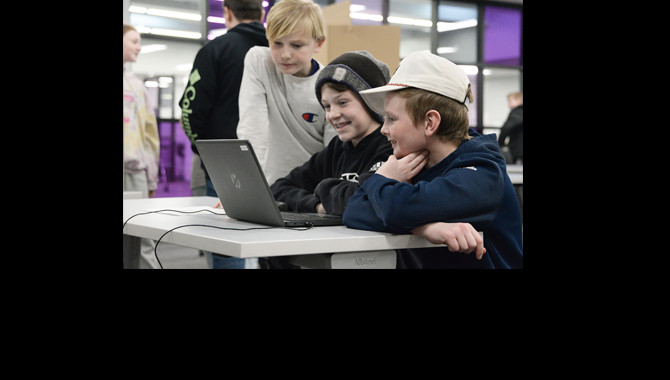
(298, 216)
(294, 216)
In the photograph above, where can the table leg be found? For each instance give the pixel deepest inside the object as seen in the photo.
(131, 252)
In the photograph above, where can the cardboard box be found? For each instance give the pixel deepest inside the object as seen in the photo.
(382, 41)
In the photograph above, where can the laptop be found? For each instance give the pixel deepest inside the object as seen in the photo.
(243, 189)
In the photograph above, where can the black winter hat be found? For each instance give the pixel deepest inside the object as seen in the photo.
(359, 70)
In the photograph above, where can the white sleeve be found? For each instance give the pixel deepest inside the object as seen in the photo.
(253, 104)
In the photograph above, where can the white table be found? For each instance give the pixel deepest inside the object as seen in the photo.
(515, 173)
(516, 178)
(338, 247)
(132, 194)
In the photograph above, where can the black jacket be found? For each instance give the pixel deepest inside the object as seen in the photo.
(209, 104)
(513, 128)
(333, 175)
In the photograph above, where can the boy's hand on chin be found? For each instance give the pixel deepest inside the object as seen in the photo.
(404, 169)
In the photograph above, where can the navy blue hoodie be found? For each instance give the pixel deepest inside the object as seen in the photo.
(470, 185)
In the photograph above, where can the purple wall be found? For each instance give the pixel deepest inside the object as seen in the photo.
(502, 36)
(174, 182)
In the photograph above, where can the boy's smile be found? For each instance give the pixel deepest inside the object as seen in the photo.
(399, 128)
(341, 125)
(347, 114)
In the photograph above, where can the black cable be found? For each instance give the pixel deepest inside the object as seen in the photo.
(203, 225)
(183, 212)
(206, 225)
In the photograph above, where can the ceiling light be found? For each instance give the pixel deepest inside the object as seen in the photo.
(447, 49)
(167, 32)
(356, 8)
(410, 21)
(469, 69)
(426, 23)
(401, 20)
(175, 33)
(448, 26)
(365, 16)
(181, 15)
(218, 20)
(152, 48)
(134, 9)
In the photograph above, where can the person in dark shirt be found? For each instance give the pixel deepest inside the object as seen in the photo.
(209, 108)
(513, 128)
(209, 103)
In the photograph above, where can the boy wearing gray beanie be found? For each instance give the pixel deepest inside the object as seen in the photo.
(326, 181)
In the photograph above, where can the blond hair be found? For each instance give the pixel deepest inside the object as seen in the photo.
(516, 95)
(454, 120)
(292, 16)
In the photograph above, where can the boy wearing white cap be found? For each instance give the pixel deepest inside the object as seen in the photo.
(441, 172)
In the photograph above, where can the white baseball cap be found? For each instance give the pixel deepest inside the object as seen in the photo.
(426, 71)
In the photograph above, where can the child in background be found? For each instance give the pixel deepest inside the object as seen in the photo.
(326, 181)
(441, 172)
(279, 114)
(141, 144)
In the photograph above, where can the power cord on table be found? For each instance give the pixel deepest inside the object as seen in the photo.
(205, 225)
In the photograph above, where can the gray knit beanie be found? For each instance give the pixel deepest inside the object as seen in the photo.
(359, 70)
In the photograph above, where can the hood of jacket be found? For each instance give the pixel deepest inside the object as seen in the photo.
(254, 30)
(471, 153)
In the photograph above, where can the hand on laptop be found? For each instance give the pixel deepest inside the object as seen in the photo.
(459, 237)
(320, 209)
(218, 205)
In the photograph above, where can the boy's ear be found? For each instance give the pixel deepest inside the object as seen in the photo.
(431, 122)
(319, 45)
(227, 14)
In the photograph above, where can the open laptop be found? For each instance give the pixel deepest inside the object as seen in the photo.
(243, 189)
